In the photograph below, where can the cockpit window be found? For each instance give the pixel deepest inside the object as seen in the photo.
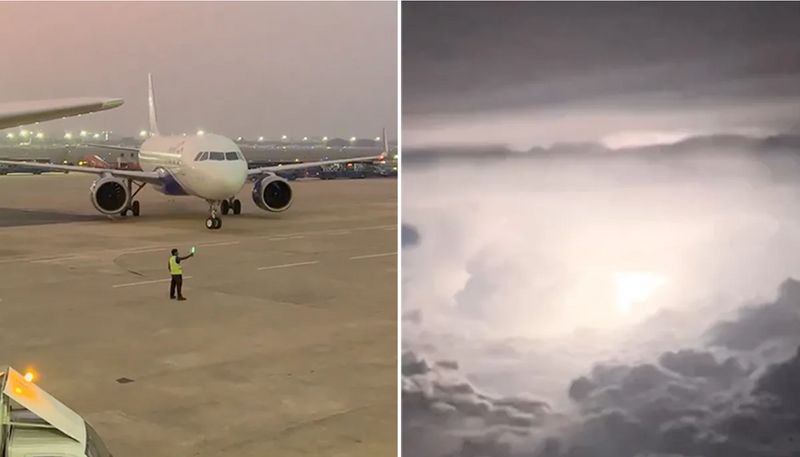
(197, 157)
(217, 155)
(201, 156)
(231, 156)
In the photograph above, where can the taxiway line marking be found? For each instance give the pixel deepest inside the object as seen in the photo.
(155, 248)
(219, 243)
(141, 283)
(372, 256)
(56, 259)
(288, 265)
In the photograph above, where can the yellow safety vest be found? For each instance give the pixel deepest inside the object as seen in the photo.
(174, 267)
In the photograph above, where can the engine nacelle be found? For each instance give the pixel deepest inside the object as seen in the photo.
(272, 193)
(110, 195)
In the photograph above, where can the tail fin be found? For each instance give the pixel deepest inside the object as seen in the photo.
(151, 100)
(385, 141)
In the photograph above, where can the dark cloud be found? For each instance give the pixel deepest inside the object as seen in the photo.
(686, 403)
(542, 72)
(464, 57)
(440, 405)
(771, 323)
(692, 403)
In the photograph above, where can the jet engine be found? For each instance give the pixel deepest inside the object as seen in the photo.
(110, 195)
(272, 193)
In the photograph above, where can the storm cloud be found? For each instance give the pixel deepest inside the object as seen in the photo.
(526, 74)
(685, 402)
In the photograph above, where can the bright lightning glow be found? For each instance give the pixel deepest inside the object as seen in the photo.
(635, 287)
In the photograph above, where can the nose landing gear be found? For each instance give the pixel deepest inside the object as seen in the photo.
(213, 222)
(231, 205)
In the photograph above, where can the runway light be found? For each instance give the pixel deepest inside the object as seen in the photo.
(305, 138)
(352, 138)
(324, 138)
(40, 135)
(395, 157)
(201, 132)
(261, 138)
(68, 136)
(96, 136)
(283, 137)
(83, 133)
(238, 138)
(24, 133)
(377, 138)
(143, 133)
(10, 136)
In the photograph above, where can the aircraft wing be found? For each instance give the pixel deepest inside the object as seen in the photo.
(110, 146)
(143, 176)
(13, 114)
(301, 165)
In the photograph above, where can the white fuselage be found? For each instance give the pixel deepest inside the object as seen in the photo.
(207, 166)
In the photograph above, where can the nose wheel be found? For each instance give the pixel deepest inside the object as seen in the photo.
(231, 205)
(213, 222)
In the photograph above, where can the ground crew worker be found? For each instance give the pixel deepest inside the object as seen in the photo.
(176, 271)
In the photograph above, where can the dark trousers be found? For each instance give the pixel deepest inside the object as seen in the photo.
(176, 283)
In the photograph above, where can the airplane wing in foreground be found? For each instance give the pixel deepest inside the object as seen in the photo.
(13, 114)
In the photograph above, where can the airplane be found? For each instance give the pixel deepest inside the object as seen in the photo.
(207, 166)
(14, 114)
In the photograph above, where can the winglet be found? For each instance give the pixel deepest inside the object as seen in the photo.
(151, 100)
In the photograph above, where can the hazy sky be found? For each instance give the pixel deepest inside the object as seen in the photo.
(234, 68)
(538, 73)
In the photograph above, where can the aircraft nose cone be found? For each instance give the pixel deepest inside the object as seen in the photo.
(230, 181)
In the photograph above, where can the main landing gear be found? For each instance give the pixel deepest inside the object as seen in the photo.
(133, 205)
(231, 205)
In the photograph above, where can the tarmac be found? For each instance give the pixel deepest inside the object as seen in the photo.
(286, 346)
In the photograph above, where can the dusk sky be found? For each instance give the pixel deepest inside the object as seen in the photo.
(246, 68)
(537, 73)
